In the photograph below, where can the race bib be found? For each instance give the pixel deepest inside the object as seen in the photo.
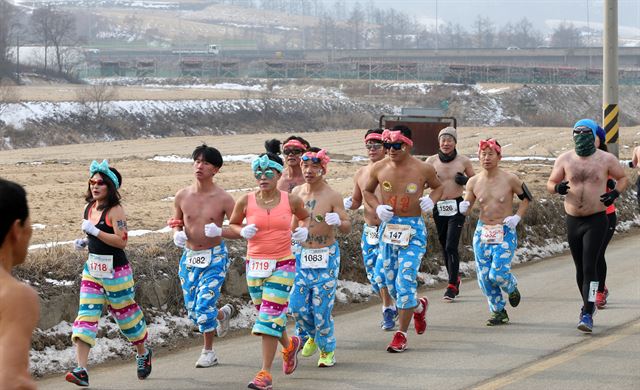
(447, 208)
(260, 268)
(396, 234)
(100, 266)
(198, 259)
(492, 234)
(314, 258)
(371, 235)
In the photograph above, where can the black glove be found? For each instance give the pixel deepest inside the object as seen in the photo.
(611, 184)
(460, 178)
(562, 188)
(630, 164)
(609, 197)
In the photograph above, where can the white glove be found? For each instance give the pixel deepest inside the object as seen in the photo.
(464, 206)
(300, 234)
(249, 231)
(332, 219)
(212, 230)
(180, 239)
(90, 228)
(385, 212)
(512, 221)
(80, 243)
(347, 202)
(426, 204)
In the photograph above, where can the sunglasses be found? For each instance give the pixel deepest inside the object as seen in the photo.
(373, 146)
(295, 152)
(268, 173)
(314, 160)
(394, 146)
(582, 130)
(98, 182)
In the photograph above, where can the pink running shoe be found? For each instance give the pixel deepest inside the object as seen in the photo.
(290, 355)
(420, 319)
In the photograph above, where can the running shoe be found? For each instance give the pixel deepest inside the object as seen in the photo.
(514, 297)
(498, 318)
(78, 376)
(458, 286)
(451, 293)
(207, 359)
(389, 319)
(262, 381)
(586, 323)
(420, 319)
(398, 344)
(310, 347)
(327, 359)
(144, 364)
(290, 355)
(601, 298)
(223, 325)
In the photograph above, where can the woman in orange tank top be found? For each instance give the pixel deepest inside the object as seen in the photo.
(270, 265)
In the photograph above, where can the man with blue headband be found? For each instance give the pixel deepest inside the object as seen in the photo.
(200, 210)
(581, 176)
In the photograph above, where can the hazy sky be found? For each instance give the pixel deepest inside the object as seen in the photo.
(540, 12)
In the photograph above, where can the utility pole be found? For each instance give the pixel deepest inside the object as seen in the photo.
(610, 76)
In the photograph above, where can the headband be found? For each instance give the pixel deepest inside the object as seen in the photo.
(321, 155)
(103, 168)
(265, 162)
(395, 136)
(294, 143)
(489, 143)
(373, 137)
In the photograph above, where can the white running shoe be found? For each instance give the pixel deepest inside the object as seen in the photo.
(207, 359)
(223, 325)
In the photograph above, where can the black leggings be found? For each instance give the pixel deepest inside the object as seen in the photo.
(449, 231)
(602, 263)
(585, 236)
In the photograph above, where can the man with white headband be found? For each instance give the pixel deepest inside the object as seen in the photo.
(403, 235)
(581, 175)
(318, 259)
(454, 170)
(495, 239)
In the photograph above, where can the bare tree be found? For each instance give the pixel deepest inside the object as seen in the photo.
(483, 32)
(566, 35)
(356, 21)
(95, 98)
(7, 14)
(8, 95)
(41, 25)
(63, 32)
(454, 36)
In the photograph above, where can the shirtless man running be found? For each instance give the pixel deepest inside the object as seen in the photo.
(200, 210)
(581, 175)
(19, 305)
(403, 234)
(369, 244)
(292, 150)
(454, 170)
(495, 239)
(318, 259)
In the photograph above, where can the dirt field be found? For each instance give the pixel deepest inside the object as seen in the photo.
(55, 177)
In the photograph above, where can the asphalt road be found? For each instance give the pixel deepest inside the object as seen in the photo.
(540, 348)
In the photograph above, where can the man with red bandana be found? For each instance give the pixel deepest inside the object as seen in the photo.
(318, 259)
(495, 239)
(292, 149)
(403, 234)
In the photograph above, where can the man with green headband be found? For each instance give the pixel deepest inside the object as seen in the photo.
(581, 176)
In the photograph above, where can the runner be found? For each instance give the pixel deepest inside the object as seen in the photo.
(199, 212)
(107, 277)
(603, 292)
(581, 175)
(19, 303)
(292, 149)
(454, 170)
(270, 265)
(318, 259)
(635, 160)
(369, 244)
(403, 233)
(495, 239)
